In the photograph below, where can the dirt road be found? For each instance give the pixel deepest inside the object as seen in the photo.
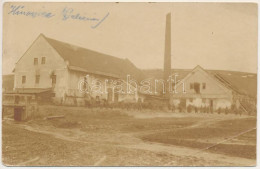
(113, 138)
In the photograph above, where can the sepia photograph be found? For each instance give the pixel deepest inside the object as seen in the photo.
(129, 84)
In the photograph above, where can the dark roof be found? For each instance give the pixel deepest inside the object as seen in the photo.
(95, 62)
(240, 82)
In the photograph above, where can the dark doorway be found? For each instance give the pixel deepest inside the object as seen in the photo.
(18, 112)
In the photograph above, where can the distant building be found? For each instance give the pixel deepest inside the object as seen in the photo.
(201, 88)
(58, 67)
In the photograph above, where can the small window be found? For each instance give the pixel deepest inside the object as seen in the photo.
(53, 79)
(37, 79)
(23, 79)
(191, 86)
(43, 60)
(203, 85)
(35, 61)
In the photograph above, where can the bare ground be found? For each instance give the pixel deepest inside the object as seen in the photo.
(100, 137)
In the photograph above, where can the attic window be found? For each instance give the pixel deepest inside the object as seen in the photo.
(203, 85)
(23, 79)
(43, 60)
(35, 61)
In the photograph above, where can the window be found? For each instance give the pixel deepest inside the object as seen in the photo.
(191, 86)
(37, 79)
(35, 61)
(43, 60)
(23, 79)
(197, 87)
(203, 85)
(53, 79)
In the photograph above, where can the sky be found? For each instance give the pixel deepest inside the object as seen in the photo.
(219, 36)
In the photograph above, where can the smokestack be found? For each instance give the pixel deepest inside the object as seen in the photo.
(167, 52)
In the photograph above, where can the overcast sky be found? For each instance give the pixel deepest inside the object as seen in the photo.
(214, 35)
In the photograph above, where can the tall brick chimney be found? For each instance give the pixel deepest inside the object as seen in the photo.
(167, 52)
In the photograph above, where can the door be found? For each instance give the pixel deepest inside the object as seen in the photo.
(18, 112)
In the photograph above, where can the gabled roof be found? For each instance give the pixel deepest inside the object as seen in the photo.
(235, 81)
(198, 67)
(239, 82)
(82, 59)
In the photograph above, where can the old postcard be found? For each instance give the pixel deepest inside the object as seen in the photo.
(129, 84)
